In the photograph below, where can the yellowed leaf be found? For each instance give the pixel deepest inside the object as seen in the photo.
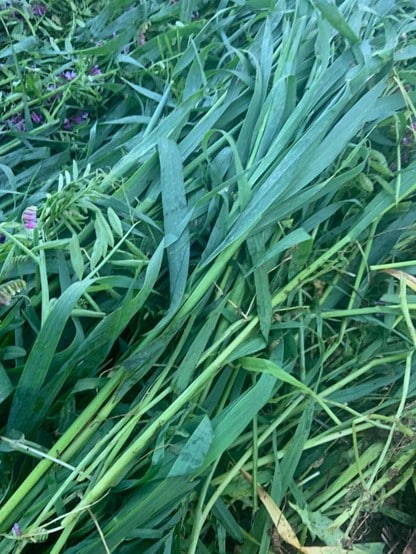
(398, 274)
(324, 550)
(281, 524)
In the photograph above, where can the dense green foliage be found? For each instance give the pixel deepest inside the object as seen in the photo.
(207, 262)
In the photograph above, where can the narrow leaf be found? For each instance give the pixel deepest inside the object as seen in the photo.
(175, 213)
(281, 524)
(192, 455)
(115, 222)
(77, 259)
(23, 412)
(233, 420)
(337, 20)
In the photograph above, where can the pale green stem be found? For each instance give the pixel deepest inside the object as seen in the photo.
(234, 471)
(115, 473)
(56, 451)
(44, 285)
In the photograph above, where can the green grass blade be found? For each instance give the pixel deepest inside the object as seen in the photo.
(176, 217)
(337, 20)
(23, 418)
(235, 418)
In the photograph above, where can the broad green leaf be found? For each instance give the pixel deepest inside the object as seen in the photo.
(223, 513)
(196, 349)
(77, 259)
(259, 365)
(256, 248)
(98, 252)
(176, 215)
(114, 221)
(296, 445)
(253, 112)
(193, 454)
(259, 4)
(332, 13)
(103, 230)
(153, 502)
(285, 243)
(13, 352)
(406, 53)
(232, 421)
(24, 410)
(299, 257)
(6, 386)
(289, 167)
(88, 357)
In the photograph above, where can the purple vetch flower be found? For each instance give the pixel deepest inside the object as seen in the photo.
(406, 140)
(141, 40)
(68, 75)
(29, 218)
(18, 122)
(95, 70)
(39, 9)
(76, 119)
(405, 158)
(36, 117)
(15, 14)
(16, 530)
(53, 97)
(100, 43)
(79, 118)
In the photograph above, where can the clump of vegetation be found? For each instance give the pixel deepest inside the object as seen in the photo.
(207, 276)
